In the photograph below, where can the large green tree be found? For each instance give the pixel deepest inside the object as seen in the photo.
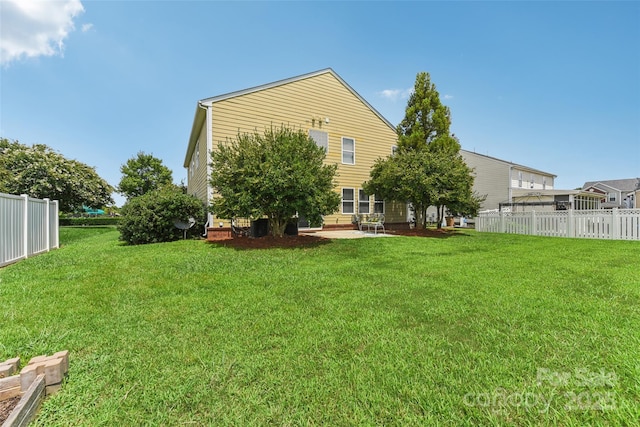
(426, 118)
(408, 176)
(275, 174)
(427, 170)
(43, 173)
(142, 174)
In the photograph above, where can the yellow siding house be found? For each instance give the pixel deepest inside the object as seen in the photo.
(321, 103)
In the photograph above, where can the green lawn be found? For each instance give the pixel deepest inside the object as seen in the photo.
(475, 329)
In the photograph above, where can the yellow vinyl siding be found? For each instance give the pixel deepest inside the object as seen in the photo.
(305, 104)
(197, 184)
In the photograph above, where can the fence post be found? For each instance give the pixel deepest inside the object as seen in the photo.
(533, 231)
(25, 225)
(615, 224)
(570, 223)
(502, 225)
(48, 226)
(56, 224)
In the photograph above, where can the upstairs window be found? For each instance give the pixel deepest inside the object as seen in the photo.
(363, 202)
(348, 201)
(611, 197)
(520, 179)
(321, 138)
(348, 151)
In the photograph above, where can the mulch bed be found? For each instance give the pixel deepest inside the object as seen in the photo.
(309, 240)
(6, 406)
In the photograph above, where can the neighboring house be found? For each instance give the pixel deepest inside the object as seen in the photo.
(353, 133)
(516, 187)
(616, 193)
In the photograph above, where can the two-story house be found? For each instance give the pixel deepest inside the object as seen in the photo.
(321, 103)
(513, 186)
(616, 193)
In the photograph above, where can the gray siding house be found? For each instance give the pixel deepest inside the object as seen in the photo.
(501, 180)
(616, 193)
(516, 187)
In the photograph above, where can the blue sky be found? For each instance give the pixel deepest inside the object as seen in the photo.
(551, 85)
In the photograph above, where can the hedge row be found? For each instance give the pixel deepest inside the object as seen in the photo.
(107, 220)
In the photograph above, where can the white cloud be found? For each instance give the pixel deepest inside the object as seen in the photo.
(86, 27)
(448, 96)
(396, 94)
(32, 28)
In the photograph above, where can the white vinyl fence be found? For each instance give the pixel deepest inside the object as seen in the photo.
(27, 227)
(618, 224)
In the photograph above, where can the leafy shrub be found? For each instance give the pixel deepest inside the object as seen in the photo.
(100, 220)
(150, 218)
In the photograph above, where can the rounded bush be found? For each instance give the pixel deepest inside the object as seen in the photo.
(150, 218)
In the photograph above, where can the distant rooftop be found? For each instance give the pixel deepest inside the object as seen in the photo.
(630, 184)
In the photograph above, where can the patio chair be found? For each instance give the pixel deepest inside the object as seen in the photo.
(376, 221)
(240, 227)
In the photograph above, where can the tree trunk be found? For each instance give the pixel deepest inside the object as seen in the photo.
(278, 226)
(423, 217)
(440, 209)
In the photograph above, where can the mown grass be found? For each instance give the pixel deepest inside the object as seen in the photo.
(476, 329)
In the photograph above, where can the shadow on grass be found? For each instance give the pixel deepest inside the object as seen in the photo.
(268, 242)
(435, 233)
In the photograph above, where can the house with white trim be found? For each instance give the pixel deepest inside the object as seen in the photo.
(616, 193)
(516, 187)
(321, 103)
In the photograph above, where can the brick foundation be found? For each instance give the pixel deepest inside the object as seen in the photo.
(221, 233)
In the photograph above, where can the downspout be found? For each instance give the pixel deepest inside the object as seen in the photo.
(208, 117)
(509, 190)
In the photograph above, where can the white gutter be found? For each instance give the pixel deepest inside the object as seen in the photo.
(208, 108)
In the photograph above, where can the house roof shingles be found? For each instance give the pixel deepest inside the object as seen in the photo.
(623, 185)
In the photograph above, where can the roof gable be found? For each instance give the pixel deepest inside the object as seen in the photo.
(200, 113)
(508, 163)
(630, 184)
(212, 100)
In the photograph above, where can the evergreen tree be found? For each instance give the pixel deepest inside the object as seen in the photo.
(427, 169)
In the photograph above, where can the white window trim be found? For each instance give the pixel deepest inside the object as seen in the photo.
(360, 201)
(197, 155)
(394, 149)
(343, 150)
(384, 205)
(342, 201)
